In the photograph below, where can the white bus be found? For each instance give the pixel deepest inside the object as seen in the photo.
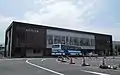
(59, 49)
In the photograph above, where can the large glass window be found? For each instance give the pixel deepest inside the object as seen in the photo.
(76, 41)
(57, 39)
(87, 42)
(50, 39)
(79, 41)
(63, 40)
(67, 40)
(82, 41)
(71, 41)
(93, 42)
(55, 46)
(71, 48)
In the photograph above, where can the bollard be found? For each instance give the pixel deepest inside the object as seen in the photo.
(119, 65)
(103, 62)
(84, 63)
(71, 61)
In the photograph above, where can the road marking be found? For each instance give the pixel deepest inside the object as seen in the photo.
(57, 60)
(43, 59)
(14, 59)
(20, 59)
(97, 73)
(27, 61)
(62, 62)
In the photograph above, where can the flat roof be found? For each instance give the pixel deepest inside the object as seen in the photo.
(63, 29)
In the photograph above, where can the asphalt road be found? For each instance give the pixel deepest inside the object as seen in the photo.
(50, 66)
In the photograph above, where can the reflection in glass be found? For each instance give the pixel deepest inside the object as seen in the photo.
(92, 42)
(50, 39)
(57, 39)
(76, 41)
(71, 41)
(68, 40)
(63, 40)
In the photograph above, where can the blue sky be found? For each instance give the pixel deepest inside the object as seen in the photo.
(100, 16)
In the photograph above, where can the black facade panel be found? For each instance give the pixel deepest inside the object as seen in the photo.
(103, 43)
(5, 43)
(28, 37)
(8, 41)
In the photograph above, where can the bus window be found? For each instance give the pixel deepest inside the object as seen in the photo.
(55, 46)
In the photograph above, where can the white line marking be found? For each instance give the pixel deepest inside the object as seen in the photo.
(57, 60)
(97, 73)
(43, 59)
(27, 61)
(14, 59)
(20, 59)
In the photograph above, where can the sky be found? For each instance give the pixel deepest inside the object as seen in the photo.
(99, 16)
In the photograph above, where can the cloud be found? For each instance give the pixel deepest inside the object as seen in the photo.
(61, 13)
(4, 23)
(106, 30)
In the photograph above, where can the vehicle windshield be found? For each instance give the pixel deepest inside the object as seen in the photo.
(55, 46)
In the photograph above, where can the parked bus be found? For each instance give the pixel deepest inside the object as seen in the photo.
(61, 50)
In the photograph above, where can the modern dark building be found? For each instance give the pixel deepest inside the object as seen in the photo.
(30, 40)
(116, 47)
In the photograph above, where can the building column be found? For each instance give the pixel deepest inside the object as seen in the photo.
(11, 41)
(7, 45)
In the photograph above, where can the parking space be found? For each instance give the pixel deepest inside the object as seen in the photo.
(51, 66)
(68, 69)
(19, 67)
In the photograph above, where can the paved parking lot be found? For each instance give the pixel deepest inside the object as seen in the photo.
(50, 66)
